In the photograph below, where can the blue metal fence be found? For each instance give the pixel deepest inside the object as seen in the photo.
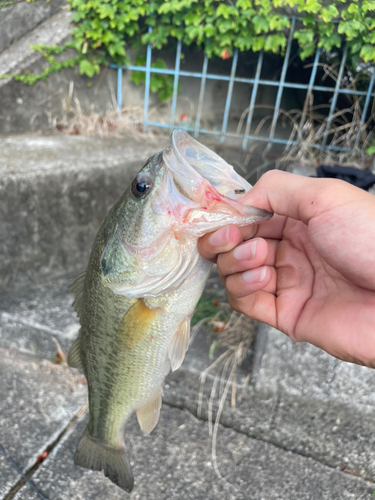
(272, 138)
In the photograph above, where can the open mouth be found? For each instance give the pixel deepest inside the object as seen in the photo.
(191, 162)
(211, 184)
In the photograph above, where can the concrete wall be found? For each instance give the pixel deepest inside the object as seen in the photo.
(29, 108)
(18, 19)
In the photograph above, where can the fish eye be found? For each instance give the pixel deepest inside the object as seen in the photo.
(141, 186)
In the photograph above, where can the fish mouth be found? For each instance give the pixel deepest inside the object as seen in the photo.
(190, 162)
(212, 186)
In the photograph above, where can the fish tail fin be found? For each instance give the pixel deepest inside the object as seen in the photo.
(113, 461)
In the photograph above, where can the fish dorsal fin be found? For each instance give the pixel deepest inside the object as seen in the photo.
(74, 355)
(77, 288)
(179, 344)
(148, 415)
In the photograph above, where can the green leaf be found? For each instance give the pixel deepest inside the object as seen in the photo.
(275, 43)
(308, 20)
(192, 32)
(368, 6)
(226, 11)
(260, 24)
(310, 6)
(210, 30)
(106, 10)
(279, 23)
(353, 8)
(87, 68)
(258, 43)
(305, 36)
(244, 4)
(367, 53)
(355, 47)
(329, 42)
(244, 43)
(328, 13)
(307, 51)
(108, 37)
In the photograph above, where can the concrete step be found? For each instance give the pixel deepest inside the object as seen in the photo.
(54, 193)
(18, 19)
(307, 417)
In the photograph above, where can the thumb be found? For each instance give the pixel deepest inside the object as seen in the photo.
(293, 195)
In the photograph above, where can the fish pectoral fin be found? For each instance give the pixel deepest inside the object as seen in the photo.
(74, 355)
(93, 455)
(179, 344)
(77, 287)
(148, 415)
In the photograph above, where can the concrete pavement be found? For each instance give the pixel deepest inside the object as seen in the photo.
(298, 434)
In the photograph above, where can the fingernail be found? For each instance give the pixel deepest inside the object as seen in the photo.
(220, 237)
(246, 251)
(255, 275)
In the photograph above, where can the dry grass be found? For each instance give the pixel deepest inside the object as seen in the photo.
(310, 128)
(236, 336)
(118, 123)
(114, 123)
(70, 376)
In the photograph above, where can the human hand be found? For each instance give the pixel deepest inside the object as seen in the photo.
(310, 270)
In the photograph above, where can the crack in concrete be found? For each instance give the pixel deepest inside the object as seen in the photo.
(26, 476)
(331, 378)
(25, 479)
(272, 425)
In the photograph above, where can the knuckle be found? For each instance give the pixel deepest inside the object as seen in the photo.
(205, 250)
(267, 175)
(271, 176)
(232, 287)
(220, 266)
(234, 304)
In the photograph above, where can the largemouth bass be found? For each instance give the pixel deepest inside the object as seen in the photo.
(143, 281)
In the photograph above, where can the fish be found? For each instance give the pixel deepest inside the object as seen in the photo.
(137, 296)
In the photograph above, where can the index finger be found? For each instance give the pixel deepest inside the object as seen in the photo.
(223, 240)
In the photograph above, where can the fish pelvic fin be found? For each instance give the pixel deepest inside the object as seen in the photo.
(148, 415)
(74, 355)
(93, 455)
(179, 344)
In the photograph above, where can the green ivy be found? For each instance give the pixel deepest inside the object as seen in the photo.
(159, 83)
(103, 30)
(5, 4)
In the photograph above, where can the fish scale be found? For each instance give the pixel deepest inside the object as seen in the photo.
(143, 281)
